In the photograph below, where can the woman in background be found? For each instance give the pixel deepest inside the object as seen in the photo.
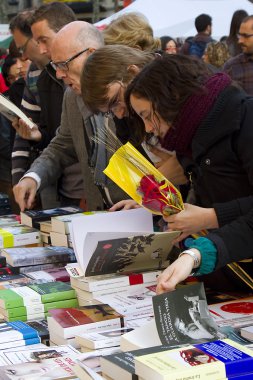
(215, 55)
(168, 45)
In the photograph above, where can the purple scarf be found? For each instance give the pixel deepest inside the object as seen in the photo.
(179, 136)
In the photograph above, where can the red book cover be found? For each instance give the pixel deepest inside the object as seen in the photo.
(70, 317)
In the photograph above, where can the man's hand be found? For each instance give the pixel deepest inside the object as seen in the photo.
(191, 220)
(126, 204)
(25, 131)
(25, 192)
(178, 271)
(169, 166)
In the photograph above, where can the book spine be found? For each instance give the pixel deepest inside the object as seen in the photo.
(19, 343)
(115, 323)
(30, 260)
(61, 304)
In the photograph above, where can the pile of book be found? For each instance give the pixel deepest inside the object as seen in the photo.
(33, 301)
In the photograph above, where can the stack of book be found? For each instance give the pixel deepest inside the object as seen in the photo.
(16, 235)
(45, 229)
(17, 334)
(5, 207)
(64, 324)
(33, 301)
(33, 218)
(37, 258)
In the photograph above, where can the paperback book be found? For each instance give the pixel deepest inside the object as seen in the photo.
(18, 257)
(234, 309)
(18, 235)
(103, 243)
(70, 321)
(33, 217)
(181, 317)
(12, 112)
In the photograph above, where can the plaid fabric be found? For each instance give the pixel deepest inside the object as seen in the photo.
(240, 68)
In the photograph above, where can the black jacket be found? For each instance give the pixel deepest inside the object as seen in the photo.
(222, 172)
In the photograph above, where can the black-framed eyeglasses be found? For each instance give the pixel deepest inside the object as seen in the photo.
(113, 103)
(244, 35)
(22, 48)
(63, 65)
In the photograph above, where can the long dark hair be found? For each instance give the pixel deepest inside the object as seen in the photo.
(167, 82)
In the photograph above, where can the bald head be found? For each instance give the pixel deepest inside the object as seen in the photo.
(70, 49)
(76, 35)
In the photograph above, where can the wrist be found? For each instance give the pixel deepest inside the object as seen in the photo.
(195, 256)
(210, 218)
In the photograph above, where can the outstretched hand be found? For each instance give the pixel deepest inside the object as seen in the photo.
(178, 271)
(126, 204)
(25, 192)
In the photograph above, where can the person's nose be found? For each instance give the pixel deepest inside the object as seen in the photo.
(149, 127)
(60, 74)
(42, 49)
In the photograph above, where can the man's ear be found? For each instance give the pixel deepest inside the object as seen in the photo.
(133, 69)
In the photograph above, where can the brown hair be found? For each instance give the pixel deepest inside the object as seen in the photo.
(217, 53)
(107, 65)
(131, 29)
(56, 14)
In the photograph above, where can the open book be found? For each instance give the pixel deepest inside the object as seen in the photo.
(11, 111)
(181, 317)
(119, 242)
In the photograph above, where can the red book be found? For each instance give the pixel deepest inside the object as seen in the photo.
(69, 321)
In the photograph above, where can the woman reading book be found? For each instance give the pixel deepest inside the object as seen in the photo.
(207, 119)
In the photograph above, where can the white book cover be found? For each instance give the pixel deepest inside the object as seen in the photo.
(131, 301)
(18, 234)
(108, 338)
(232, 309)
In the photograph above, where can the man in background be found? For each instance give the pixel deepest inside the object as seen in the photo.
(240, 67)
(195, 46)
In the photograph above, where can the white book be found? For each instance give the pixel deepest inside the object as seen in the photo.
(122, 241)
(247, 332)
(97, 340)
(61, 223)
(60, 240)
(11, 111)
(113, 280)
(18, 235)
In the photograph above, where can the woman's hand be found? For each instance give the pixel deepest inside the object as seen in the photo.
(178, 271)
(25, 131)
(126, 204)
(191, 220)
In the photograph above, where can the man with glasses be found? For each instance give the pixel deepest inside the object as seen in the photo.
(240, 67)
(44, 23)
(70, 49)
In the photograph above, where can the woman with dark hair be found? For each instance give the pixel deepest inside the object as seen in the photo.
(168, 45)
(232, 40)
(207, 120)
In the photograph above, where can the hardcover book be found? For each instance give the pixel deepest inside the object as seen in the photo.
(212, 360)
(69, 321)
(103, 243)
(18, 234)
(33, 217)
(181, 317)
(19, 257)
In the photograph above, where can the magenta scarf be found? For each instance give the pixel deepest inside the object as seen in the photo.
(179, 136)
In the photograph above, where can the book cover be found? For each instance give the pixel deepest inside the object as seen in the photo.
(181, 317)
(19, 296)
(7, 270)
(28, 268)
(38, 255)
(112, 280)
(12, 278)
(102, 339)
(41, 327)
(18, 234)
(13, 331)
(70, 321)
(53, 291)
(37, 354)
(19, 343)
(33, 217)
(55, 368)
(54, 274)
(121, 365)
(232, 309)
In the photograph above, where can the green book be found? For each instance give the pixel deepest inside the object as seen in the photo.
(16, 297)
(54, 291)
(28, 312)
